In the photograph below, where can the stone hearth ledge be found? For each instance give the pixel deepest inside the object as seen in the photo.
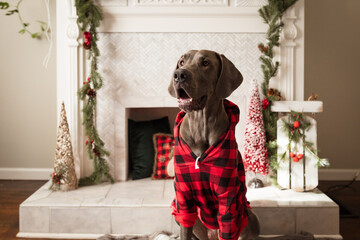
(142, 207)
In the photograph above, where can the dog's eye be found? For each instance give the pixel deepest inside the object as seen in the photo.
(205, 63)
(181, 63)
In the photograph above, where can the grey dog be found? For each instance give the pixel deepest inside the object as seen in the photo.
(201, 81)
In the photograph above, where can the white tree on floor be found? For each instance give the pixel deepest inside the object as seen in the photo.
(255, 152)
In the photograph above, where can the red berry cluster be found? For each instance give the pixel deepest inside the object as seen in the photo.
(56, 178)
(87, 43)
(263, 48)
(265, 103)
(88, 80)
(93, 147)
(295, 157)
(87, 142)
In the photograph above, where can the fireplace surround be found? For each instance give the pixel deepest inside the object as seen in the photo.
(140, 42)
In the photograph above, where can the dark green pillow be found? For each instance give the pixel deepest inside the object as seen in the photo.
(141, 146)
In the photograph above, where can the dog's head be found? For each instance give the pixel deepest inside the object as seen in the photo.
(201, 75)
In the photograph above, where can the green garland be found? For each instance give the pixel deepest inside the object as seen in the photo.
(89, 18)
(271, 14)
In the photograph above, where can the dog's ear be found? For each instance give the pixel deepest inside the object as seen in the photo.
(229, 78)
(171, 89)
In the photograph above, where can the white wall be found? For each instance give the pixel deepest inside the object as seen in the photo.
(27, 94)
(332, 70)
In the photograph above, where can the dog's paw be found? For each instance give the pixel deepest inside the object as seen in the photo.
(213, 234)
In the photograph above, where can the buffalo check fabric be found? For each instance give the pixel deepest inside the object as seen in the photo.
(164, 149)
(211, 187)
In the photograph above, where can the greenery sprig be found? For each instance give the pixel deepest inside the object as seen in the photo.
(296, 128)
(89, 18)
(271, 14)
(25, 25)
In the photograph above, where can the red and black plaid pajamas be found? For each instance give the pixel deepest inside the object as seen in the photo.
(215, 191)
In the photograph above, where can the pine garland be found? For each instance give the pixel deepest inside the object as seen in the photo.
(272, 15)
(89, 18)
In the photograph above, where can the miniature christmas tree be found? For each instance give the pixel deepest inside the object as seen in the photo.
(64, 176)
(255, 152)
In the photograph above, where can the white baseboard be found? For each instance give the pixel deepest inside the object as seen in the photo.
(339, 174)
(44, 174)
(25, 173)
(59, 235)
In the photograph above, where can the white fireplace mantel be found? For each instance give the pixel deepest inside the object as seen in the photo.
(168, 16)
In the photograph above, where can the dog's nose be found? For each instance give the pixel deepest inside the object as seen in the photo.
(180, 75)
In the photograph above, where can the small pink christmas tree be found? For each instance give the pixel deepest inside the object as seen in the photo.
(255, 152)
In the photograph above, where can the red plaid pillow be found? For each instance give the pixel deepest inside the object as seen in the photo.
(164, 150)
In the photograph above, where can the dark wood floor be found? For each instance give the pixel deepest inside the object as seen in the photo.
(12, 193)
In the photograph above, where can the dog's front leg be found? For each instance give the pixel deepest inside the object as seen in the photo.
(185, 233)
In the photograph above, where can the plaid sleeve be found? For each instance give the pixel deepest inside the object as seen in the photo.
(228, 217)
(231, 190)
(183, 207)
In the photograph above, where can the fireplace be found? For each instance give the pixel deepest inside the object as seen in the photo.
(140, 43)
(138, 68)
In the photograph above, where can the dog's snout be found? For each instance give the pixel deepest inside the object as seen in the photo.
(181, 75)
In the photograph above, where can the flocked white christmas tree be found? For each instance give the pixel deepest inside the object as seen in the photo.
(255, 151)
(64, 176)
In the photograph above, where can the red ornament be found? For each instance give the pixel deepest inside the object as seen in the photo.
(300, 156)
(86, 142)
(295, 159)
(87, 36)
(87, 42)
(296, 124)
(266, 49)
(265, 103)
(292, 155)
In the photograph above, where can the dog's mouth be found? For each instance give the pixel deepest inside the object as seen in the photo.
(188, 103)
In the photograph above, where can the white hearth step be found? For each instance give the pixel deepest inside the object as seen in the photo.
(142, 207)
